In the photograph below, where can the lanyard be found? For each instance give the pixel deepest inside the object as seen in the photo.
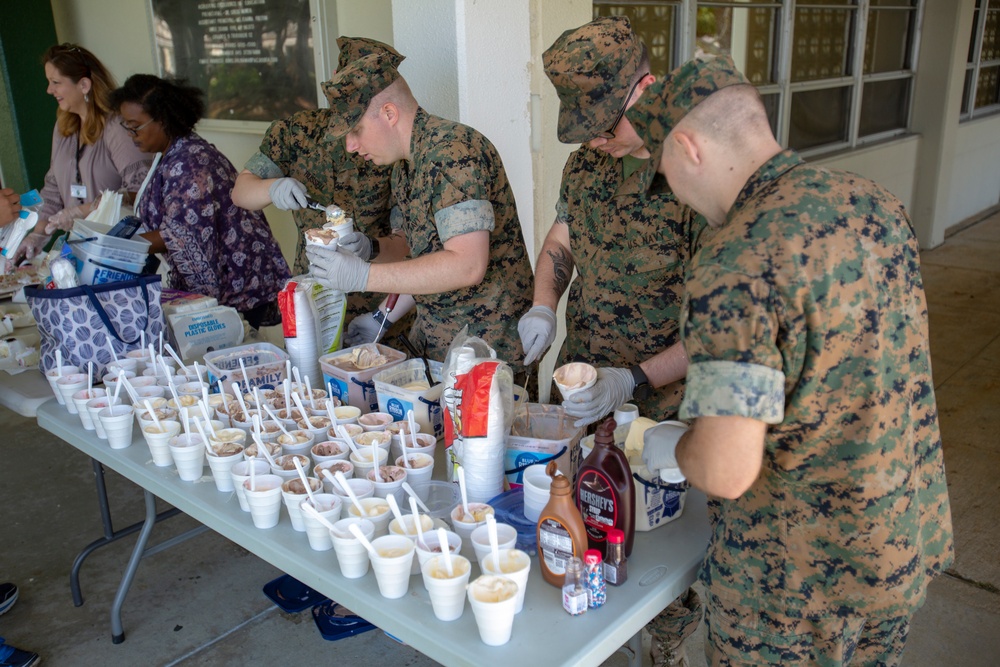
(79, 154)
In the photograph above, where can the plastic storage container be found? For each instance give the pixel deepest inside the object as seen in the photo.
(265, 366)
(395, 400)
(357, 388)
(100, 270)
(104, 247)
(539, 434)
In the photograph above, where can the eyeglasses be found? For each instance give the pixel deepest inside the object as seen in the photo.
(610, 134)
(134, 131)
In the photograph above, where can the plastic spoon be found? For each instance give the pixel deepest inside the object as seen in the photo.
(305, 480)
(416, 520)
(114, 357)
(309, 390)
(123, 381)
(246, 380)
(204, 438)
(239, 398)
(461, 487)
(445, 551)
(59, 363)
(173, 355)
(262, 448)
(222, 390)
(375, 450)
(197, 371)
(415, 497)
(342, 482)
(342, 432)
(208, 419)
(413, 429)
(152, 413)
(90, 378)
(286, 387)
(161, 343)
(391, 499)
(491, 528)
(312, 511)
(253, 476)
(276, 420)
(118, 388)
(258, 402)
(356, 531)
(302, 409)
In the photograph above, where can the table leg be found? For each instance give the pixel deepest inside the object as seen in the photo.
(117, 630)
(633, 650)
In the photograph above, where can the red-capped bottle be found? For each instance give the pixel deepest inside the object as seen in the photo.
(605, 492)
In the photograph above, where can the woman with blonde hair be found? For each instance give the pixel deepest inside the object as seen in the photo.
(91, 151)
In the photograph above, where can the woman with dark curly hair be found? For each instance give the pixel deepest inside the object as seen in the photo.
(212, 246)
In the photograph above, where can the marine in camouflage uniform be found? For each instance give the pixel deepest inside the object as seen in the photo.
(447, 182)
(805, 311)
(630, 250)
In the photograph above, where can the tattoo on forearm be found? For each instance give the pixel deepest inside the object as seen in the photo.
(562, 269)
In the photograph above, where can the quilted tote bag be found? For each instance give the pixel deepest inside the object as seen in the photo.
(87, 322)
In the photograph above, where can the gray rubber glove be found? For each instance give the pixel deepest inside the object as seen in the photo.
(357, 244)
(288, 194)
(614, 386)
(365, 329)
(537, 329)
(31, 245)
(65, 218)
(337, 270)
(659, 450)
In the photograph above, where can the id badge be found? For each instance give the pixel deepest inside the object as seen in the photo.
(78, 191)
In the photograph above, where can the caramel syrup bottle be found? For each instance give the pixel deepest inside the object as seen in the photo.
(605, 491)
(561, 534)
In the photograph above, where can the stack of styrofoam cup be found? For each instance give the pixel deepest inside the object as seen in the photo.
(188, 452)
(536, 491)
(81, 398)
(117, 421)
(493, 600)
(53, 376)
(240, 472)
(392, 562)
(514, 564)
(447, 593)
(158, 440)
(264, 499)
(302, 349)
(329, 507)
(352, 556)
(506, 539)
(68, 385)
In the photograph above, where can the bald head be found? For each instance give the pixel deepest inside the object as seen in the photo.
(397, 93)
(734, 117)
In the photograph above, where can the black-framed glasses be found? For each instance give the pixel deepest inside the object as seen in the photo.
(610, 134)
(134, 131)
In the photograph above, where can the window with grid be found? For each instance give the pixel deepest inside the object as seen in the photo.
(981, 93)
(833, 74)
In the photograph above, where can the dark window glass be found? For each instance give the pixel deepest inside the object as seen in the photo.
(819, 117)
(884, 106)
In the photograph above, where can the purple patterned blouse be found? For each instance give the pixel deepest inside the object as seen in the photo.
(214, 247)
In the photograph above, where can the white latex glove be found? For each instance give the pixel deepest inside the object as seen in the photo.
(537, 329)
(65, 218)
(659, 449)
(337, 270)
(288, 194)
(614, 386)
(357, 244)
(31, 245)
(365, 329)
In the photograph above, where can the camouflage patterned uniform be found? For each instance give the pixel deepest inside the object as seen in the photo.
(806, 310)
(439, 194)
(630, 253)
(300, 147)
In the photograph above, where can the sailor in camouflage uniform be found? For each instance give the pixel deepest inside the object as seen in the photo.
(454, 214)
(298, 158)
(809, 381)
(629, 251)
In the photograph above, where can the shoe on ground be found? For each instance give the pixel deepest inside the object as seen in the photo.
(15, 657)
(8, 596)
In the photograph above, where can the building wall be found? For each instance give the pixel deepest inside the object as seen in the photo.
(975, 183)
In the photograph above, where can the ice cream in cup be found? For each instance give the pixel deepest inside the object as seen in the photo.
(352, 556)
(375, 421)
(464, 524)
(158, 439)
(493, 600)
(347, 414)
(117, 421)
(480, 537)
(392, 562)
(68, 385)
(284, 466)
(446, 589)
(329, 507)
(390, 479)
(514, 564)
(330, 450)
(298, 441)
(376, 511)
(53, 375)
(574, 377)
(241, 472)
(345, 467)
(293, 491)
(81, 398)
(363, 460)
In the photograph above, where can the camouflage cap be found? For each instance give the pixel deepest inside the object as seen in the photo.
(591, 68)
(352, 89)
(666, 102)
(355, 48)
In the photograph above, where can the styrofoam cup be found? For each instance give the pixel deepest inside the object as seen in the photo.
(329, 507)
(117, 421)
(188, 452)
(426, 547)
(264, 500)
(221, 469)
(419, 474)
(240, 472)
(362, 460)
(376, 511)
(385, 487)
(536, 483)
(345, 467)
(392, 562)
(514, 564)
(493, 600)
(304, 441)
(352, 556)
(68, 385)
(150, 392)
(81, 398)
(293, 500)
(52, 375)
(465, 528)
(159, 441)
(408, 530)
(447, 594)
(480, 538)
(362, 489)
(330, 450)
(289, 472)
(95, 405)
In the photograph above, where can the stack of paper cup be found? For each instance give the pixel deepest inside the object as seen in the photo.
(447, 592)
(188, 452)
(81, 398)
(329, 507)
(480, 538)
(117, 421)
(352, 556)
(536, 491)
(264, 499)
(514, 564)
(493, 600)
(302, 348)
(95, 405)
(68, 385)
(240, 472)
(392, 561)
(293, 497)
(54, 374)
(158, 440)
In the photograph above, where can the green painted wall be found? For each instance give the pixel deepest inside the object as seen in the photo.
(27, 114)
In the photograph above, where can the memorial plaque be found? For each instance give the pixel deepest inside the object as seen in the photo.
(253, 58)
